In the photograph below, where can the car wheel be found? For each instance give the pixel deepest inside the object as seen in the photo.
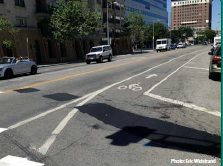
(156, 50)
(8, 74)
(110, 58)
(211, 74)
(33, 70)
(101, 59)
(88, 62)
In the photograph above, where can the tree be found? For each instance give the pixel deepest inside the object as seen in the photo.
(186, 32)
(201, 36)
(175, 36)
(209, 34)
(11, 33)
(74, 19)
(136, 27)
(160, 31)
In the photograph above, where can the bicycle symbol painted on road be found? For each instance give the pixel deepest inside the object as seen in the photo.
(134, 87)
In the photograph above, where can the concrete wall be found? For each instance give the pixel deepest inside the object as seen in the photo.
(10, 11)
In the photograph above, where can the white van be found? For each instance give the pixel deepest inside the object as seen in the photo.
(163, 44)
(217, 40)
(99, 53)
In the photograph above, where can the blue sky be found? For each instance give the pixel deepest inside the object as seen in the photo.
(216, 8)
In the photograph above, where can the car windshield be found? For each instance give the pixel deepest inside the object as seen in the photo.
(6, 60)
(164, 42)
(158, 42)
(96, 49)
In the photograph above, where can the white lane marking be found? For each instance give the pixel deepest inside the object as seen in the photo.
(152, 75)
(123, 87)
(154, 86)
(188, 105)
(1, 92)
(45, 147)
(195, 68)
(18, 161)
(134, 87)
(2, 130)
(46, 113)
(79, 67)
(91, 95)
(117, 83)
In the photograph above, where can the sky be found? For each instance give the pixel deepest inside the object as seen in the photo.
(216, 8)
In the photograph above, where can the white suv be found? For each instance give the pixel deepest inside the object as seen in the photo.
(99, 53)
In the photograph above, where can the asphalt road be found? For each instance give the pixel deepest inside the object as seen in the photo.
(138, 110)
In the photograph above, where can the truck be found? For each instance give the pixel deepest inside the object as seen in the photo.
(217, 40)
(163, 44)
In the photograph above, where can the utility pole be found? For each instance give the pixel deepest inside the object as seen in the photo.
(153, 35)
(27, 40)
(108, 27)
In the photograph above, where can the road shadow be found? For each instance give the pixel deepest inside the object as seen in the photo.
(134, 128)
(61, 96)
(18, 76)
(216, 77)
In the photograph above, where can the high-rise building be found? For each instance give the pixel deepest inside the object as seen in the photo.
(195, 14)
(154, 11)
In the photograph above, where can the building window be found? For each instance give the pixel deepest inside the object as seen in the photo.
(21, 22)
(20, 3)
(1, 1)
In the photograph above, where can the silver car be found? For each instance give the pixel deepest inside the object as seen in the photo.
(99, 53)
(10, 66)
(215, 62)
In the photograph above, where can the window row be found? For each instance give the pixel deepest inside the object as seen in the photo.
(20, 3)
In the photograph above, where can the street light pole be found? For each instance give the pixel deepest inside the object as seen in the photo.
(153, 35)
(120, 17)
(108, 27)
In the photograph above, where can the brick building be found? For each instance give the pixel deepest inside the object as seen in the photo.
(195, 14)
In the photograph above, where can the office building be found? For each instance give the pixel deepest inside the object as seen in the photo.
(195, 14)
(152, 10)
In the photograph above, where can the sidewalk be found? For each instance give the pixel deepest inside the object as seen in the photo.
(137, 51)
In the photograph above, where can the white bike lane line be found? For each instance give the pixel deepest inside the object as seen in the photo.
(83, 100)
(188, 105)
(135, 87)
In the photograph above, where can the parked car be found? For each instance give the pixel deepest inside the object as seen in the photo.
(215, 62)
(205, 43)
(99, 53)
(172, 46)
(180, 45)
(10, 66)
